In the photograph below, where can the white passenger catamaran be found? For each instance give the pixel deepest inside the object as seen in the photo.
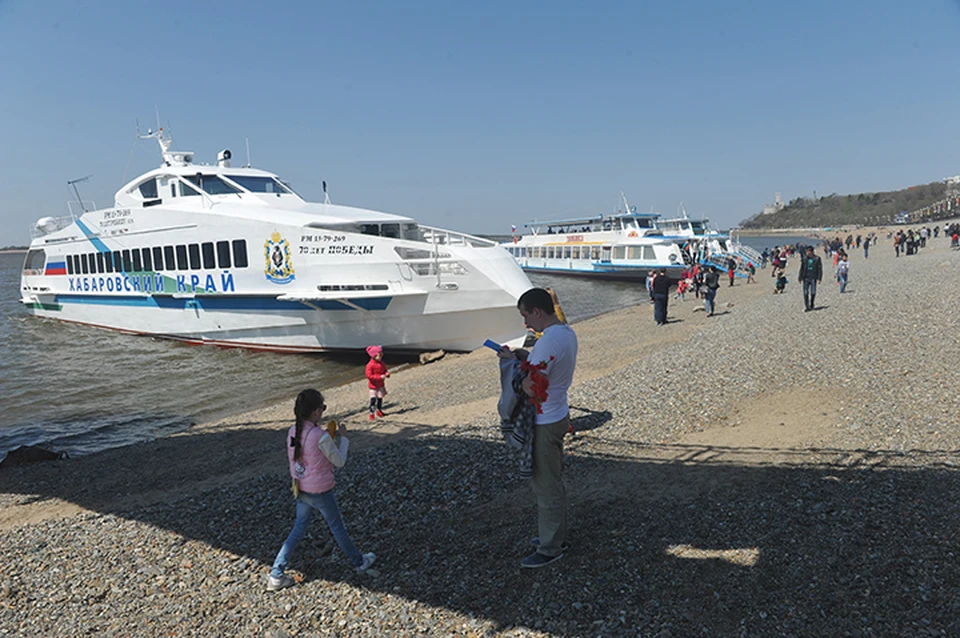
(232, 256)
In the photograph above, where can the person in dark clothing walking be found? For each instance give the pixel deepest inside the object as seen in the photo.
(811, 273)
(711, 282)
(661, 292)
(731, 269)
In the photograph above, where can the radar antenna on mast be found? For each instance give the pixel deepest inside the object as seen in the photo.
(73, 184)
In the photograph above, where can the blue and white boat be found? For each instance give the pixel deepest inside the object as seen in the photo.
(625, 246)
(232, 256)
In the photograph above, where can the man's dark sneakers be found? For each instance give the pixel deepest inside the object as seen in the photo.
(537, 559)
(564, 547)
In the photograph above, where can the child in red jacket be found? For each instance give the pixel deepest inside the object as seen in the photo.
(376, 373)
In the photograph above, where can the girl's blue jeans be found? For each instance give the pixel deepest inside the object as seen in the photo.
(326, 504)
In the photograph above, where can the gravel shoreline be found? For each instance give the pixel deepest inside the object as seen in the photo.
(763, 472)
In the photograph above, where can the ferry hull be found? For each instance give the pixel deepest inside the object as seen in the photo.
(612, 273)
(401, 325)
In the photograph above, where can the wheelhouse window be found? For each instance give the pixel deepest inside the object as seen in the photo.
(148, 189)
(211, 184)
(258, 184)
(188, 190)
(36, 261)
(390, 230)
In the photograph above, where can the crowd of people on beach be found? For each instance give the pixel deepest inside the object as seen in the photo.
(910, 242)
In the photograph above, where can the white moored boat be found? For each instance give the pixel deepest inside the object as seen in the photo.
(232, 256)
(621, 246)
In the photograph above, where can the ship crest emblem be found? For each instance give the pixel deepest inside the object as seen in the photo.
(278, 266)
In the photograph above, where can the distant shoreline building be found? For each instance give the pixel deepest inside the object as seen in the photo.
(775, 207)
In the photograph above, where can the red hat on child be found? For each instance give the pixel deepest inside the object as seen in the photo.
(374, 351)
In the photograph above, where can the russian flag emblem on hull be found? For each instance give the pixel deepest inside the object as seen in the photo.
(56, 268)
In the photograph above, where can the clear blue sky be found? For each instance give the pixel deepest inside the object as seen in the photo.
(479, 115)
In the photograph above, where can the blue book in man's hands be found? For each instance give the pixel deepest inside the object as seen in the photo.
(493, 345)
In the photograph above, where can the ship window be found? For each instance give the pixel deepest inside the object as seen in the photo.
(256, 184)
(194, 250)
(117, 262)
(619, 252)
(149, 189)
(147, 259)
(158, 258)
(169, 262)
(92, 260)
(137, 264)
(173, 189)
(223, 254)
(566, 252)
(76, 264)
(187, 190)
(100, 266)
(35, 260)
(633, 252)
(240, 253)
(207, 249)
(181, 257)
(370, 229)
(69, 264)
(648, 253)
(390, 230)
(107, 262)
(595, 253)
(127, 264)
(211, 184)
(411, 232)
(83, 264)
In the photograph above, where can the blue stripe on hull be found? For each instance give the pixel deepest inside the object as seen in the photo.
(226, 302)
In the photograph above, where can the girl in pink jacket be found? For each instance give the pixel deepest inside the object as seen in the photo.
(376, 373)
(313, 453)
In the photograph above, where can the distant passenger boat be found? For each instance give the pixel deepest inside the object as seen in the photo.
(623, 246)
(232, 256)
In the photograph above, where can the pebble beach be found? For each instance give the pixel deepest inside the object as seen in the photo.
(762, 472)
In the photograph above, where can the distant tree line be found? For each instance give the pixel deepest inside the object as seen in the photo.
(862, 209)
(14, 248)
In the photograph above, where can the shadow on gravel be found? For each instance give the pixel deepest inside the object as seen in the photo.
(694, 540)
(584, 419)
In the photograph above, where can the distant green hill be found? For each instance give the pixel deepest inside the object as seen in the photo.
(928, 200)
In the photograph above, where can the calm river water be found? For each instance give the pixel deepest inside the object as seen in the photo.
(82, 390)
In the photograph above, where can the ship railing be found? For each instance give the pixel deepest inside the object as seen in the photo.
(749, 254)
(441, 237)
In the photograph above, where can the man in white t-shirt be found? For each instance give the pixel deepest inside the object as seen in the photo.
(557, 348)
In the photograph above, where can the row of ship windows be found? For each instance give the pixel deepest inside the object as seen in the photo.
(206, 256)
(581, 252)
